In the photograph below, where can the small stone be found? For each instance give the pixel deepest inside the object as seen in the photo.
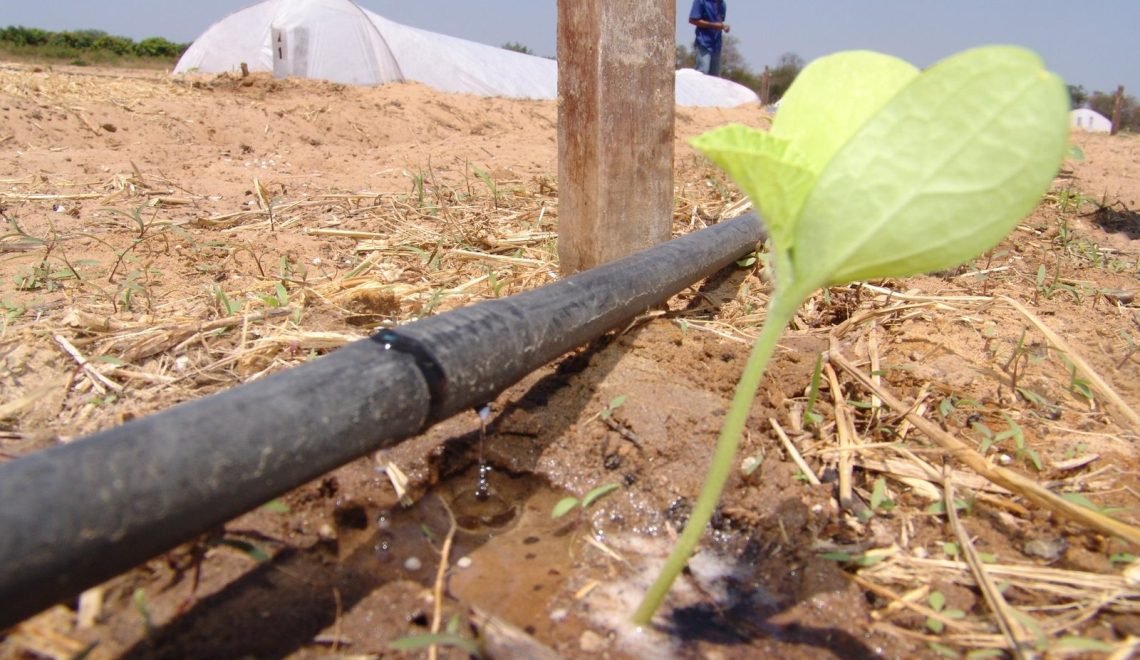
(1047, 549)
(463, 562)
(1132, 574)
(592, 642)
(326, 532)
(413, 564)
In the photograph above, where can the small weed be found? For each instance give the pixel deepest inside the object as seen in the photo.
(748, 261)
(1069, 200)
(226, 306)
(937, 602)
(868, 558)
(1081, 500)
(613, 405)
(286, 269)
(1078, 386)
(129, 288)
(279, 298)
(495, 283)
(879, 499)
(939, 507)
(433, 302)
(1022, 450)
(1047, 288)
(1074, 644)
(135, 216)
(490, 183)
(250, 550)
(568, 504)
(139, 600)
(12, 310)
(276, 506)
(1122, 558)
(450, 637)
(946, 407)
(418, 187)
(810, 416)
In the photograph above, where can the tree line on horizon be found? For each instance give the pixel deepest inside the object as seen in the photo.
(81, 45)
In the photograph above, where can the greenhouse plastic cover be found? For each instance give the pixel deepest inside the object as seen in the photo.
(337, 40)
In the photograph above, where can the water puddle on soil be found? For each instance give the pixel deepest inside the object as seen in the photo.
(508, 556)
(511, 559)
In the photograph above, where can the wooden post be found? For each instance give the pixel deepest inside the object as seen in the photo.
(1117, 106)
(765, 84)
(615, 128)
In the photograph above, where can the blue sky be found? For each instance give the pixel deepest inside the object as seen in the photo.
(1090, 43)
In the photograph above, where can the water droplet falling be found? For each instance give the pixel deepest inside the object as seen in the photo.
(483, 487)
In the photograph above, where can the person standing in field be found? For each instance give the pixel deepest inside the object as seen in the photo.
(708, 17)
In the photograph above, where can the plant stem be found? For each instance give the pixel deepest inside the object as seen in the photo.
(779, 314)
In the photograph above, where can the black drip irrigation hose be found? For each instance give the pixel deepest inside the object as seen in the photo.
(76, 515)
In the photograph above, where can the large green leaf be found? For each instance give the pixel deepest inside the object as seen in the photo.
(833, 97)
(770, 170)
(940, 174)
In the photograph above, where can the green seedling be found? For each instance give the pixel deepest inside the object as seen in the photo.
(13, 310)
(811, 417)
(868, 558)
(1081, 500)
(937, 603)
(276, 506)
(141, 606)
(450, 637)
(495, 283)
(1077, 385)
(568, 504)
(612, 406)
(1075, 644)
(280, 297)
(485, 177)
(227, 306)
(873, 169)
(880, 501)
(939, 507)
(1122, 558)
(748, 260)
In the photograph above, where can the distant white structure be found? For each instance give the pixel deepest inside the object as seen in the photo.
(1090, 121)
(339, 41)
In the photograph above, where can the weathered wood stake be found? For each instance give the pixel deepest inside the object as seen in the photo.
(1117, 106)
(615, 128)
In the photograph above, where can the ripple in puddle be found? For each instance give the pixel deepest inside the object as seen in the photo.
(508, 556)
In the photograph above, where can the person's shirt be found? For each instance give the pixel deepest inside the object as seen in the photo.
(713, 11)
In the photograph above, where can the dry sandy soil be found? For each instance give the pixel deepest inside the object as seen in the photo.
(188, 235)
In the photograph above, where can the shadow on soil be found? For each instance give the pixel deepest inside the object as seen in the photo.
(1119, 219)
(776, 587)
